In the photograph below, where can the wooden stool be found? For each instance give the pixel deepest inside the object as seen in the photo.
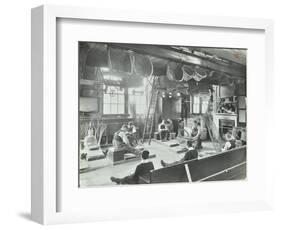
(172, 135)
(156, 135)
(128, 156)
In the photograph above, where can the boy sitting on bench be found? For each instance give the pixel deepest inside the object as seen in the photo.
(189, 155)
(121, 142)
(143, 168)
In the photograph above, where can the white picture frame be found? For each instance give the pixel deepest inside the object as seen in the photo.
(45, 161)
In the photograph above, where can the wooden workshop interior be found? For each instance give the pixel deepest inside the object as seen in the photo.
(145, 85)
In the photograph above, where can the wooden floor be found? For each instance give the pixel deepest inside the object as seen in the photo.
(100, 171)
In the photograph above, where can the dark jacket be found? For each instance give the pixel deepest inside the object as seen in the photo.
(191, 154)
(142, 169)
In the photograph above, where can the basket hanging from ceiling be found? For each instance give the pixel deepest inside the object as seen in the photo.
(92, 73)
(120, 60)
(142, 65)
(175, 72)
(200, 73)
(159, 66)
(97, 56)
(188, 72)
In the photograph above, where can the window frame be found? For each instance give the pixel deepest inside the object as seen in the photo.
(201, 102)
(110, 104)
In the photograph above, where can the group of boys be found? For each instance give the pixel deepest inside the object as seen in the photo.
(146, 166)
(233, 141)
(166, 127)
(125, 137)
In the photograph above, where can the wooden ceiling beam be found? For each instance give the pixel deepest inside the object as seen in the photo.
(180, 57)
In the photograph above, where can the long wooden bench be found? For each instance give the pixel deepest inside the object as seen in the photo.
(235, 173)
(228, 165)
(217, 164)
(175, 173)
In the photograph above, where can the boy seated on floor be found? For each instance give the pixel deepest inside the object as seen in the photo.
(189, 155)
(143, 168)
(181, 130)
(230, 141)
(170, 125)
(195, 136)
(132, 134)
(163, 131)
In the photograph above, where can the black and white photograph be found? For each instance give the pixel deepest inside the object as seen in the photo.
(153, 114)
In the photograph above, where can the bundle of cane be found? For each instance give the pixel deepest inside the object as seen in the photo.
(101, 129)
(98, 128)
(95, 126)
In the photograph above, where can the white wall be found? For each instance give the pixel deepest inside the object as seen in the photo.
(15, 112)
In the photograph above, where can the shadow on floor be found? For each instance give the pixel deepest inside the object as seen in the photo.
(25, 215)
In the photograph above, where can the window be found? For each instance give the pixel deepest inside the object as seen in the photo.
(112, 78)
(204, 105)
(137, 98)
(242, 109)
(196, 104)
(200, 104)
(113, 100)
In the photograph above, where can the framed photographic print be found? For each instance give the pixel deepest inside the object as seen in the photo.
(140, 114)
